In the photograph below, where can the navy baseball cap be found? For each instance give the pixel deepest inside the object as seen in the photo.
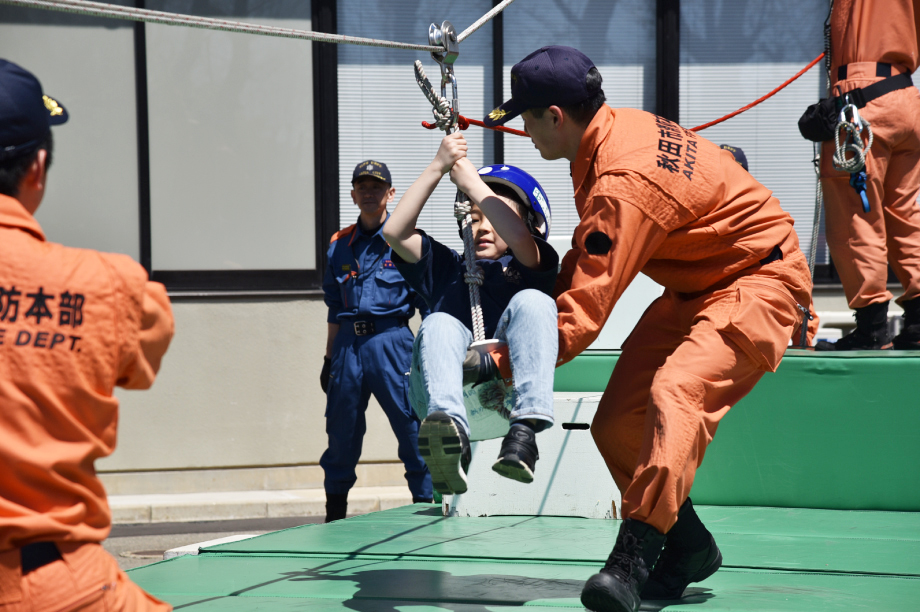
(26, 114)
(738, 154)
(376, 169)
(553, 75)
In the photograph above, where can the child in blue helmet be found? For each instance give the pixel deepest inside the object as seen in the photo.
(511, 220)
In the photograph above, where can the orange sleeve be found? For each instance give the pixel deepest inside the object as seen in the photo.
(154, 335)
(611, 245)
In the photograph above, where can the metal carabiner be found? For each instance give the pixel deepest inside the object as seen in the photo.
(446, 36)
(854, 117)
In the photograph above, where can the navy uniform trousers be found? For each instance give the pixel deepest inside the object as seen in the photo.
(376, 363)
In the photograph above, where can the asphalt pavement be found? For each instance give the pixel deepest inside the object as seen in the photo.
(142, 544)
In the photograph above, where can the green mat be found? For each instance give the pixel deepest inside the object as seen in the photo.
(838, 431)
(411, 559)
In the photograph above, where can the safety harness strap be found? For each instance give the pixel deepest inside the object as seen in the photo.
(862, 96)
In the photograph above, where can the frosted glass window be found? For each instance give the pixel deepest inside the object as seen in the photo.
(92, 193)
(231, 141)
(733, 53)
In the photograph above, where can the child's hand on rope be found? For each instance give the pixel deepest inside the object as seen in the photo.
(453, 147)
(465, 176)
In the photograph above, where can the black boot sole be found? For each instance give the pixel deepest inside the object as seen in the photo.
(511, 466)
(439, 445)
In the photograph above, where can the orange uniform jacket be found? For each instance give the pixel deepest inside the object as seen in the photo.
(873, 31)
(74, 323)
(656, 198)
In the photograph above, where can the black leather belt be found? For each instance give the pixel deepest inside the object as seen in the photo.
(775, 254)
(376, 326)
(38, 554)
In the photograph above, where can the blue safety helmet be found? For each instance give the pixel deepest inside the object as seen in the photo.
(528, 190)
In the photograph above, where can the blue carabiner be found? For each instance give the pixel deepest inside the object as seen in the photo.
(858, 182)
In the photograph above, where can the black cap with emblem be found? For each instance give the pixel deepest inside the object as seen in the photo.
(26, 114)
(372, 168)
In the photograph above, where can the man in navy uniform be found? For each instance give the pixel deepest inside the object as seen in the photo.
(369, 343)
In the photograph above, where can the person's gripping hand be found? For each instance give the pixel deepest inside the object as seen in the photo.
(465, 176)
(453, 147)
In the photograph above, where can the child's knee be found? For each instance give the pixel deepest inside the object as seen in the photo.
(532, 301)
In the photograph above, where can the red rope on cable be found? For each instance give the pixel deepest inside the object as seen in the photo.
(759, 100)
(464, 122)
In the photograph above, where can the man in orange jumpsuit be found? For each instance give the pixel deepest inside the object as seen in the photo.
(74, 323)
(656, 198)
(874, 42)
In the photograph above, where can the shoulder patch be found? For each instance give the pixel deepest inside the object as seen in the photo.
(598, 243)
(345, 231)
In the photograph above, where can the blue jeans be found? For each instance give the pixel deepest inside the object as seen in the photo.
(528, 326)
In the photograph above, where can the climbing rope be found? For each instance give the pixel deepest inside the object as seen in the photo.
(498, 8)
(444, 117)
(852, 143)
(761, 99)
(99, 9)
(474, 275)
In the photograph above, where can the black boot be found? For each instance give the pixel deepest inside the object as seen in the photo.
(422, 500)
(518, 456)
(616, 588)
(909, 338)
(871, 331)
(690, 555)
(444, 446)
(336, 506)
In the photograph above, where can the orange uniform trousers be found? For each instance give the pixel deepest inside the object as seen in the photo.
(690, 359)
(86, 578)
(863, 244)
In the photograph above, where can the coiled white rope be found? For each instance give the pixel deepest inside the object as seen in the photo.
(498, 8)
(853, 143)
(99, 9)
(474, 276)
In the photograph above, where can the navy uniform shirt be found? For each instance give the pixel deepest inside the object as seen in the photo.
(438, 279)
(361, 282)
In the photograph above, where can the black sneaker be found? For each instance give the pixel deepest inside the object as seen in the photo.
(616, 588)
(518, 455)
(446, 450)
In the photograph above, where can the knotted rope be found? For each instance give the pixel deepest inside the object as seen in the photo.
(445, 118)
(473, 276)
(853, 143)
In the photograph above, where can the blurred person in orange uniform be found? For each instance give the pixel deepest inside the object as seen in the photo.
(657, 198)
(812, 318)
(74, 323)
(874, 45)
